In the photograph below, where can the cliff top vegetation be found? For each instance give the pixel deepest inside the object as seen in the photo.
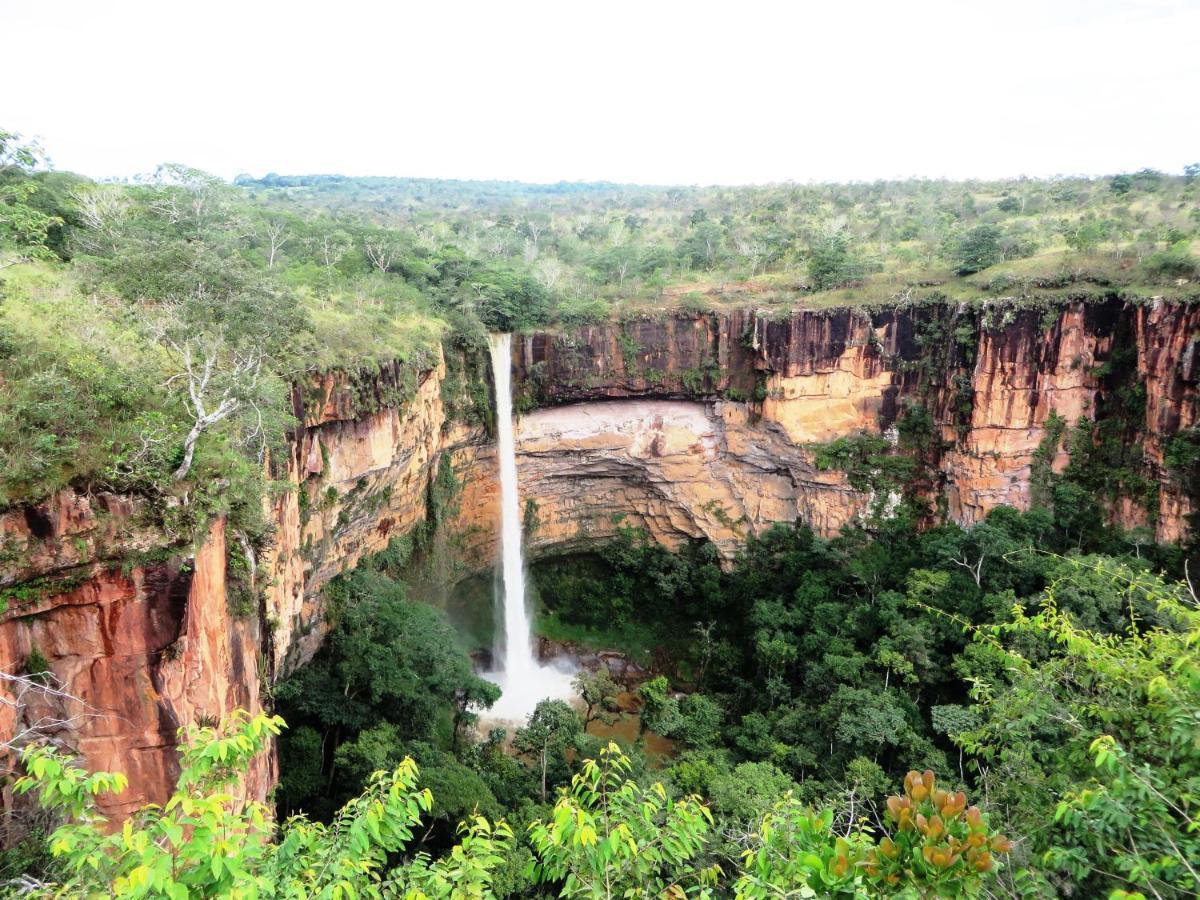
(150, 331)
(603, 249)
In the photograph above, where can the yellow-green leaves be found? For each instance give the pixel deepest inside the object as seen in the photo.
(610, 837)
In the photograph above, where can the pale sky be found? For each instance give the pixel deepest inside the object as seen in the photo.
(651, 91)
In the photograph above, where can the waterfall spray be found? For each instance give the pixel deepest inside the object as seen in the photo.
(522, 679)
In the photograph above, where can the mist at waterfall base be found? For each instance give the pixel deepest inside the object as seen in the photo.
(524, 681)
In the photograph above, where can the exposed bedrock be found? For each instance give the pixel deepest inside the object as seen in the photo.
(147, 648)
(679, 469)
(691, 426)
(990, 379)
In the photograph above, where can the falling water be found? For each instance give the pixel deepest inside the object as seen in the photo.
(513, 645)
(522, 679)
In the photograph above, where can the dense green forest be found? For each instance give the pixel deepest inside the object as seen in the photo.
(631, 246)
(823, 685)
(1011, 710)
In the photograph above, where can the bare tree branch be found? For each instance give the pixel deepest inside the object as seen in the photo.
(103, 211)
(975, 568)
(276, 235)
(380, 252)
(243, 372)
(21, 693)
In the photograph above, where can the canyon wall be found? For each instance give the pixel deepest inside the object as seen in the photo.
(768, 389)
(141, 628)
(690, 426)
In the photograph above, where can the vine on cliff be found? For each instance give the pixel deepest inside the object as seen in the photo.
(1041, 472)
(1181, 458)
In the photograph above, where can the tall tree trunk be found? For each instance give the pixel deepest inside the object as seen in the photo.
(189, 450)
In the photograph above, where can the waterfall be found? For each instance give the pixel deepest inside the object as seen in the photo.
(521, 678)
(513, 646)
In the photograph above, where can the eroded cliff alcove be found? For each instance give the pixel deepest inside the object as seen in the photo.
(688, 425)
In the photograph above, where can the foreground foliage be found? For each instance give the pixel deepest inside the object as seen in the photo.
(606, 837)
(205, 842)
(1099, 733)
(1060, 685)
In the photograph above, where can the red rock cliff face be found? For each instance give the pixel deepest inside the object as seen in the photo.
(991, 378)
(690, 426)
(359, 479)
(148, 648)
(1168, 345)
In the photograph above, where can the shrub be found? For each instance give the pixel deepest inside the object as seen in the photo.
(832, 263)
(978, 249)
(1176, 261)
(606, 836)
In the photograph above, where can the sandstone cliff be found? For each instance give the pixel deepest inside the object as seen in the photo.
(990, 378)
(687, 425)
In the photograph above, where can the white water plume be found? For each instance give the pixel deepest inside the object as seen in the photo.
(521, 677)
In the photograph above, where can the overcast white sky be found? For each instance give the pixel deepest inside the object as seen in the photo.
(653, 92)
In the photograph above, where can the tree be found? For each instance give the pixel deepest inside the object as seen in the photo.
(275, 233)
(205, 843)
(609, 837)
(23, 225)
(1100, 727)
(550, 729)
(18, 154)
(1176, 261)
(975, 550)
(37, 704)
(865, 721)
(104, 211)
(660, 711)
(700, 718)
(532, 228)
(746, 791)
(1088, 233)
(831, 262)
(703, 247)
(475, 694)
(204, 379)
(387, 663)
(330, 247)
(614, 263)
(598, 691)
(978, 249)
(381, 251)
(751, 249)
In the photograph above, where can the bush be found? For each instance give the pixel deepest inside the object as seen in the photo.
(1176, 261)
(978, 249)
(832, 263)
(607, 836)
(204, 843)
